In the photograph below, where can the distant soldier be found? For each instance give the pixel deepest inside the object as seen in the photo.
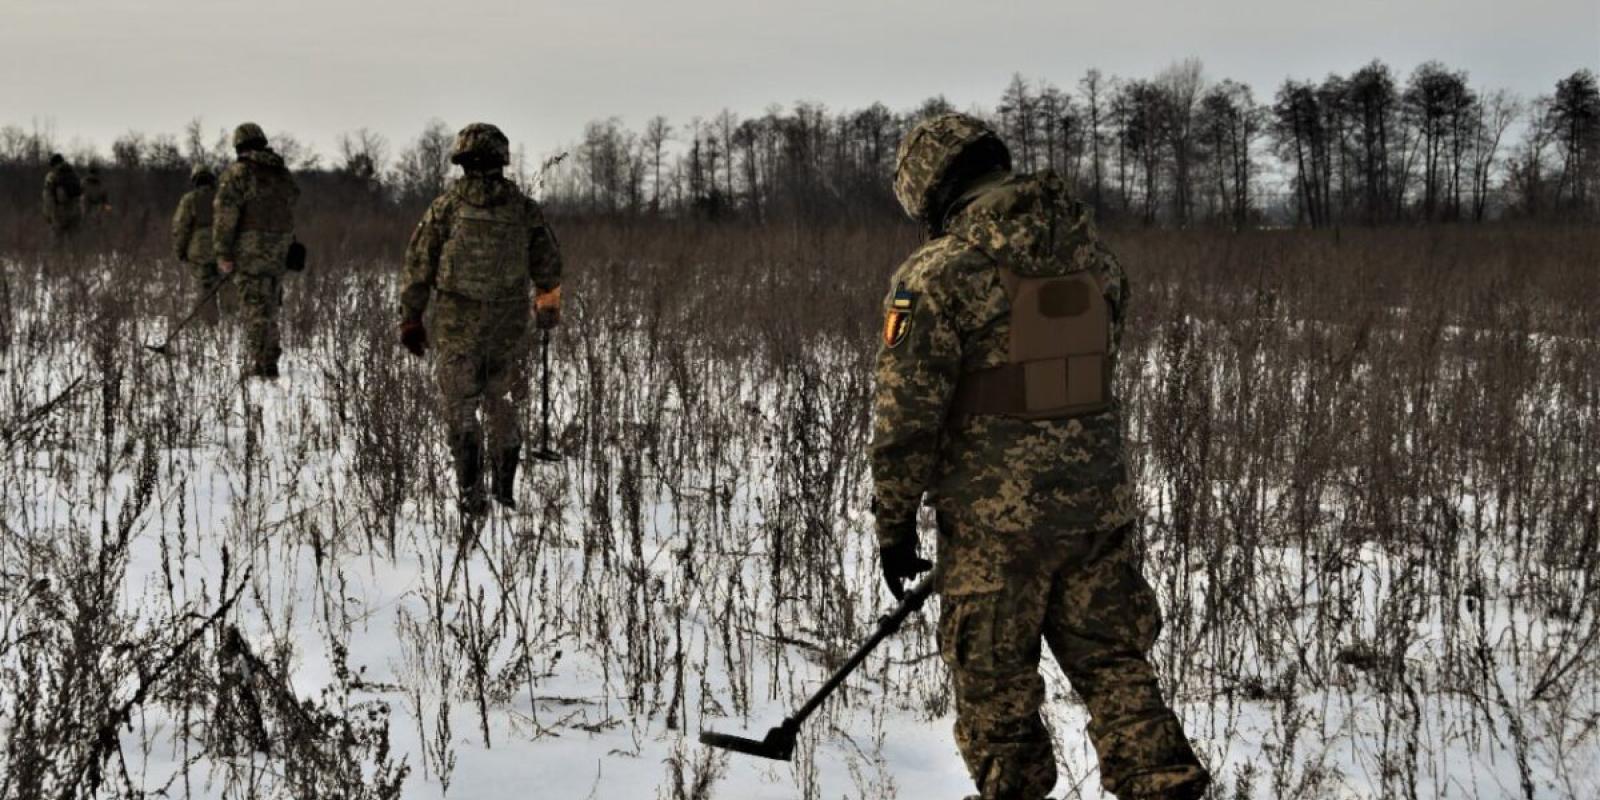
(95, 199)
(994, 397)
(252, 231)
(478, 250)
(62, 191)
(191, 237)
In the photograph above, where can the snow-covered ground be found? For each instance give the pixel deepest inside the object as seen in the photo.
(697, 561)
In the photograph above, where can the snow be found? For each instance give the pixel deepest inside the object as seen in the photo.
(599, 596)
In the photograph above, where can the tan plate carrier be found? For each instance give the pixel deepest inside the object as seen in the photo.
(1059, 363)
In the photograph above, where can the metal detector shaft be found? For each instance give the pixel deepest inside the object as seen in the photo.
(887, 626)
(195, 312)
(779, 742)
(544, 453)
(544, 390)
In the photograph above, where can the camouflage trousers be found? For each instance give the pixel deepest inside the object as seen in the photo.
(259, 299)
(206, 278)
(481, 354)
(258, 278)
(64, 228)
(1082, 594)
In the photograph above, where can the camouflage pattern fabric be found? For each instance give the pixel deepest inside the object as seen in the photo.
(1084, 596)
(925, 156)
(480, 360)
(1034, 514)
(191, 227)
(255, 194)
(259, 299)
(62, 191)
(95, 198)
(483, 143)
(474, 256)
(482, 239)
(191, 244)
(253, 226)
(1016, 475)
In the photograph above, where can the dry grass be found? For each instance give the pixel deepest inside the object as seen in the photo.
(1369, 459)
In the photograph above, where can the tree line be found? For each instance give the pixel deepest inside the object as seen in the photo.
(1174, 149)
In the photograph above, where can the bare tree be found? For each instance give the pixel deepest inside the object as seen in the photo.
(1093, 88)
(423, 169)
(1181, 86)
(657, 132)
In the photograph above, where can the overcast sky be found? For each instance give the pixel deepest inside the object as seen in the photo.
(540, 69)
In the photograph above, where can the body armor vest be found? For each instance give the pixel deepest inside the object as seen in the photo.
(1059, 362)
(66, 181)
(204, 196)
(269, 201)
(486, 256)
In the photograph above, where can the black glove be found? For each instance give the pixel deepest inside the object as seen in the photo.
(414, 336)
(296, 260)
(900, 563)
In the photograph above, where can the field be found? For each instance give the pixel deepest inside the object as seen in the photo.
(1370, 461)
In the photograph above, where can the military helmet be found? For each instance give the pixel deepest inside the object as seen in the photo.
(923, 164)
(249, 136)
(56, 159)
(481, 143)
(201, 173)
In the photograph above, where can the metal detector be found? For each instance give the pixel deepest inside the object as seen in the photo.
(779, 742)
(544, 453)
(164, 347)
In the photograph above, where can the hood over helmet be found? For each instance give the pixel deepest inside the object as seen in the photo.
(938, 158)
(1030, 223)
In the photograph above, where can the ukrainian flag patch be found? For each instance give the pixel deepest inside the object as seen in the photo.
(897, 319)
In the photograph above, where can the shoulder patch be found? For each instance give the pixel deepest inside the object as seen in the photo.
(897, 318)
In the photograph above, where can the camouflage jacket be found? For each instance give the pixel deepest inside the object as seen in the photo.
(483, 240)
(61, 192)
(191, 226)
(1000, 473)
(95, 197)
(255, 194)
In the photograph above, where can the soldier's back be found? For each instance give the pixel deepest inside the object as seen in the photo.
(1004, 470)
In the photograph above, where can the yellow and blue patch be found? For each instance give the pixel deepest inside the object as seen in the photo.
(897, 319)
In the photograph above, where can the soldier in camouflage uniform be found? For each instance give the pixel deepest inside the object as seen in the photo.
(62, 191)
(191, 237)
(252, 230)
(95, 199)
(993, 397)
(473, 258)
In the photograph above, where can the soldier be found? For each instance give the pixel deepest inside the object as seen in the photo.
(473, 257)
(61, 192)
(191, 237)
(252, 230)
(95, 199)
(994, 397)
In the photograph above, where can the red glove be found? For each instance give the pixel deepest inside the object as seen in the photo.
(414, 336)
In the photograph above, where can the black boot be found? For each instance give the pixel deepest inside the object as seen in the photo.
(468, 452)
(505, 475)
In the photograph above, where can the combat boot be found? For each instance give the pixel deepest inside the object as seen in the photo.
(504, 473)
(468, 453)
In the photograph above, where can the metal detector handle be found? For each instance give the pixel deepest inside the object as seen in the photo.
(887, 626)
